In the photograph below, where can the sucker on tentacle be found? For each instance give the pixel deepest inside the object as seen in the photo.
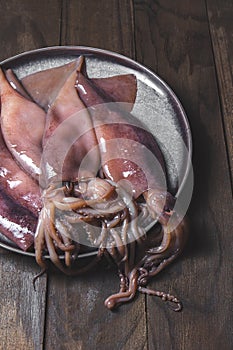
(164, 296)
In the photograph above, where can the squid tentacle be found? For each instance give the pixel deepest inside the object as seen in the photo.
(50, 223)
(164, 296)
(124, 296)
(40, 241)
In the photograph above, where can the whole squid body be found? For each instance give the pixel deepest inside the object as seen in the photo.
(67, 139)
(127, 152)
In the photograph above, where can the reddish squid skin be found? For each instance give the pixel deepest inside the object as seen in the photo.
(65, 102)
(121, 88)
(16, 223)
(16, 84)
(44, 86)
(16, 183)
(18, 118)
(69, 129)
(110, 123)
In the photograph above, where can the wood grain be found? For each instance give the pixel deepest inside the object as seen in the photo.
(221, 28)
(27, 25)
(76, 315)
(102, 24)
(24, 26)
(22, 310)
(78, 319)
(189, 44)
(173, 39)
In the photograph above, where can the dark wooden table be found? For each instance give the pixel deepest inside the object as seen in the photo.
(190, 45)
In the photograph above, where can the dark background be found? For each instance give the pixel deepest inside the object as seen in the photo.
(190, 45)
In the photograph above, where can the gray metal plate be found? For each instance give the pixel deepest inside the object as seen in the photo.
(156, 105)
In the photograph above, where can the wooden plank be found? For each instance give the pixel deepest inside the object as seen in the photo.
(27, 25)
(76, 316)
(102, 24)
(24, 26)
(221, 27)
(22, 310)
(172, 38)
(78, 319)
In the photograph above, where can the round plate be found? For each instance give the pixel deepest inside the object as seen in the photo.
(156, 106)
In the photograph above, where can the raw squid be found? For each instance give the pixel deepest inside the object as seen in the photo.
(16, 183)
(75, 135)
(112, 123)
(121, 88)
(16, 84)
(68, 138)
(22, 123)
(16, 223)
(44, 86)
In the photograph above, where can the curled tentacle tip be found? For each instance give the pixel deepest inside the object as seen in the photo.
(177, 307)
(110, 303)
